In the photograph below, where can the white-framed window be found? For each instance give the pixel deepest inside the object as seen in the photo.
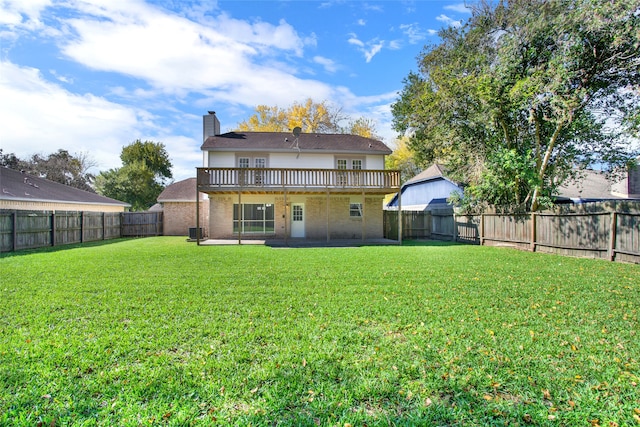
(355, 210)
(350, 165)
(252, 177)
(259, 176)
(256, 218)
(296, 213)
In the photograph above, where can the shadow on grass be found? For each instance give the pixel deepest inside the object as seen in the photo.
(430, 242)
(49, 249)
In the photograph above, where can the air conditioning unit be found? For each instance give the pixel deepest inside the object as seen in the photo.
(193, 235)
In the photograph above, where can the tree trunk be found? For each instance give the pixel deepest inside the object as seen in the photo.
(535, 202)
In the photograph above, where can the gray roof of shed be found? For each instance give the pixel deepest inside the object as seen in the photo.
(16, 185)
(284, 141)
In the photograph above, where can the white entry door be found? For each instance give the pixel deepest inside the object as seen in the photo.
(297, 220)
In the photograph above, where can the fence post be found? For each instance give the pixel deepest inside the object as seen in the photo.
(612, 235)
(455, 228)
(481, 229)
(82, 227)
(533, 232)
(14, 217)
(53, 228)
(103, 226)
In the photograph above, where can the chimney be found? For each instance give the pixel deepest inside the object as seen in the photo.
(210, 125)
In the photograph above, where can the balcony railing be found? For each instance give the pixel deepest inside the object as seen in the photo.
(234, 179)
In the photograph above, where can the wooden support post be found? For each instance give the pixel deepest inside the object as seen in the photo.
(104, 226)
(364, 216)
(534, 219)
(240, 216)
(481, 229)
(286, 230)
(328, 215)
(82, 227)
(197, 212)
(612, 235)
(400, 215)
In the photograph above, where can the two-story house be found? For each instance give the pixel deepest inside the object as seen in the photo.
(279, 185)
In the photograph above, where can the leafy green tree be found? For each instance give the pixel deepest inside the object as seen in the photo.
(144, 174)
(524, 94)
(62, 167)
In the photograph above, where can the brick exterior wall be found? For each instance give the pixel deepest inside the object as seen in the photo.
(178, 217)
(341, 225)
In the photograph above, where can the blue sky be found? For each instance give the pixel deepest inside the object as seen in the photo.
(92, 76)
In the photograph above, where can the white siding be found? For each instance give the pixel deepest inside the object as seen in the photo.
(222, 160)
(294, 160)
(374, 162)
(303, 161)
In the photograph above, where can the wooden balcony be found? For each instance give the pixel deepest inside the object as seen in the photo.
(263, 180)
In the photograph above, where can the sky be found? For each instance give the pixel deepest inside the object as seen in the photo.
(93, 76)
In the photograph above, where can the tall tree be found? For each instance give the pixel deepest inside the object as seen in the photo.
(61, 166)
(310, 116)
(144, 174)
(362, 127)
(402, 159)
(524, 94)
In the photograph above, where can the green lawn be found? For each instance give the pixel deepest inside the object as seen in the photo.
(159, 331)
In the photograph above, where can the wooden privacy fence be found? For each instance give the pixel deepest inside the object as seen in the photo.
(609, 235)
(35, 229)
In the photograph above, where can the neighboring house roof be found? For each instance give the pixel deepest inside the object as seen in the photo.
(181, 191)
(594, 186)
(19, 186)
(433, 173)
(284, 141)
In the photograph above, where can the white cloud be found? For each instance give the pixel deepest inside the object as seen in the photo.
(361, 22)
(448, 21)
(373, 50)
(368, 49)
(234, 61)
(36, 115)
(63, 79)
(21, 13)
(329, 65)
(414, 32)
(395, 44)
(459, 7)
(209, 62)
(353, 39)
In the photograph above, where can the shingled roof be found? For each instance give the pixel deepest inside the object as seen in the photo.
(19, 186)
(181, 191)
(284, 141)
(432, 172)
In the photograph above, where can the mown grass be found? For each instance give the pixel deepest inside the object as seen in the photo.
(161, 332)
